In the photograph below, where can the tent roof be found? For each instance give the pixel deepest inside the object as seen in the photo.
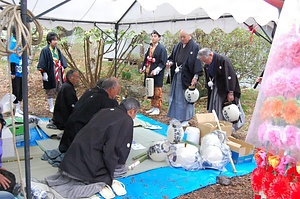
(162, 15)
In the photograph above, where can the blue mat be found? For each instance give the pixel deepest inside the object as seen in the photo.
(34, 136)
(165, 182)
(171, 182)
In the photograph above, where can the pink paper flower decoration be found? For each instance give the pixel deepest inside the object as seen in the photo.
(280, 81)
(274, 136)
(284, 162)
(298, 141)
(288, 137)
(262, 135)
(276, 83)
(294, 53)
(277, 57)
(293, 83)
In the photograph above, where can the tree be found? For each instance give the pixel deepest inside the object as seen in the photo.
(248, 58)
(96, 45)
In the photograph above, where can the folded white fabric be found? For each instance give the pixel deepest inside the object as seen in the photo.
(151, 127)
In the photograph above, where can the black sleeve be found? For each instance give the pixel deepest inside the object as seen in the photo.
(70, 98)
(163, 58)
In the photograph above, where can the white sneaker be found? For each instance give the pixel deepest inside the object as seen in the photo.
(18, 111)
(185, 123)
(18, 108)
(155, 111)
(51, 110)
(151, 110)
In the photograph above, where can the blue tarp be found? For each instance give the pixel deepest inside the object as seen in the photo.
(34, 136)
(166, 182)
(171, 182)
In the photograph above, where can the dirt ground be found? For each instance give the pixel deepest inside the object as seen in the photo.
(240, 186)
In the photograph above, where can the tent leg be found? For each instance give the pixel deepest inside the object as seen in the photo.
(25, 106)
(116, 46)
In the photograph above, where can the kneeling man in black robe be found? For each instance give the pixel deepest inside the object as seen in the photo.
(98, 149)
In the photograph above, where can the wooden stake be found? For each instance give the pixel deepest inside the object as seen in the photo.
(218, 123)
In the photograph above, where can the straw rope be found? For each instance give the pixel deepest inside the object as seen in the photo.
(9, 17)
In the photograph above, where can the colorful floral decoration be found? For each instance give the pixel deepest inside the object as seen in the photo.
(295, 189)
(276, 176)
(256, 176)
(275, 125)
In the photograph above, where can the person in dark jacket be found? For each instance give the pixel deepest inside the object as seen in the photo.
(65, 101)
(91, 91)
(99, 147)
(185, 71)
(85, 109)
(52, 65)
(153, 66)
(222, 83)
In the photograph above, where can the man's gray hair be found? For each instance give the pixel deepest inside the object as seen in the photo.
(70, 73)
(99, 82)
(131, 103)
(204, 52)
(110, 82)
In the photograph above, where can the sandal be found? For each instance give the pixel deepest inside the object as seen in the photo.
(119, 188)
(107, 192)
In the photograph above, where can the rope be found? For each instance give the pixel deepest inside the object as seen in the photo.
(14, 134)
(11, 16)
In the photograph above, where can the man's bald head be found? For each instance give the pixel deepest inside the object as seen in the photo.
(184, 37)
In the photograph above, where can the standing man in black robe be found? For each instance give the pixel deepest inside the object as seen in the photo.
(185, 71)
(65, 101)
(222, 84)
(52, 65)
(97, 150)
(153, 66)
(85, 109)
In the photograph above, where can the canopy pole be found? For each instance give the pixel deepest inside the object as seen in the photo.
(258, 34)
(25, 105)
(95, 24)
(116, 46)
(116, 34)
(49, 10)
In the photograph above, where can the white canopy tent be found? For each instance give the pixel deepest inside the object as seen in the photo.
(137, 15)
(162, 15)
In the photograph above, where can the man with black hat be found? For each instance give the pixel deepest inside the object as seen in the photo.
(153, 66)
